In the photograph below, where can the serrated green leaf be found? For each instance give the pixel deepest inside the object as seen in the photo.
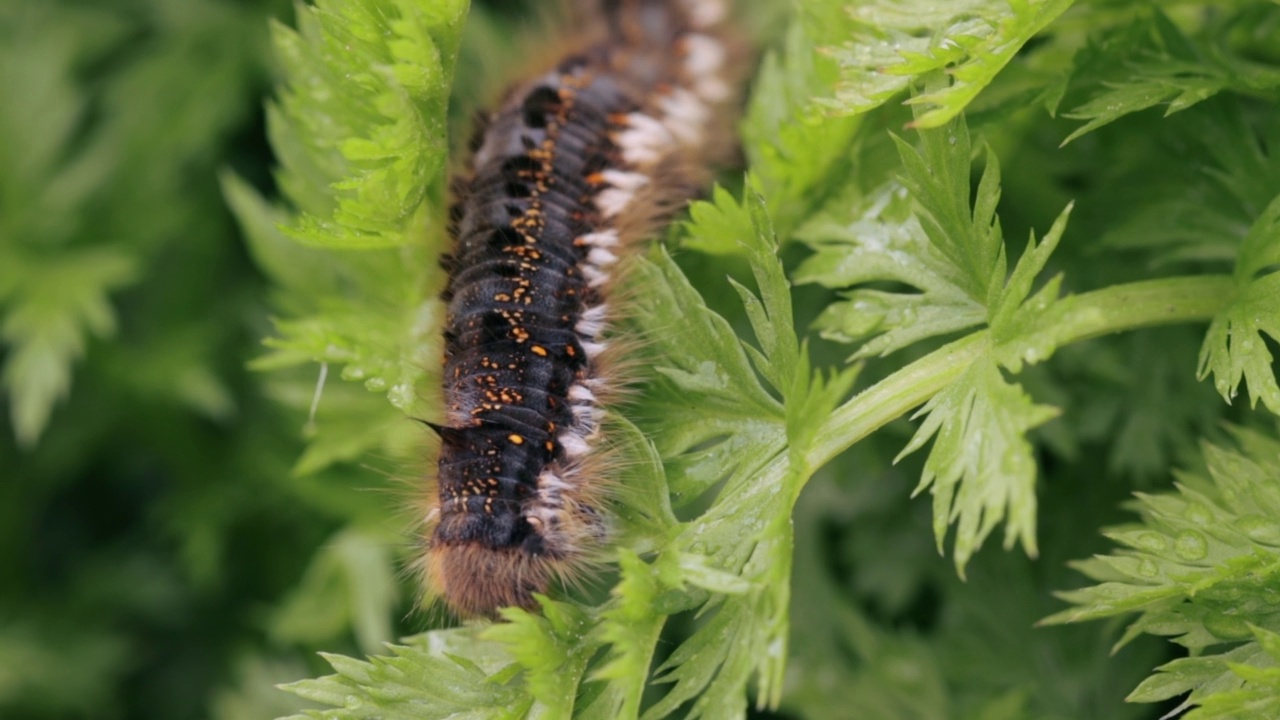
(882, 240)
(443, 674)
(893, 43)
(981, 419)
(1018, 319)
(796, 150)
(300, 270)
(631, 628)
(733, 559)
(1201, 569)
(770, 314)
(981, 466)
(363, 118)
(937, 176)
(1159, 65)
(550, 650)
(360, 131)
(719, 420)
(1234, 348)
(55, 304)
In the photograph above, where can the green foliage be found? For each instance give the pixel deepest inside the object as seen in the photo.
(889, 44)
(738, 411)
(959, 267)
(1200, 568)
(92, 190)
(376, 136)
(1234, 347)
(796, 152)
(178, 534)
(152, 534)
(1152, 62)
(361, 135)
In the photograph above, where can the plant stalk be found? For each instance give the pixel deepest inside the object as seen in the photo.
(1078, 317)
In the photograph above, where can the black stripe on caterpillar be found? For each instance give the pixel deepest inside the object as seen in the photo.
(577, 164)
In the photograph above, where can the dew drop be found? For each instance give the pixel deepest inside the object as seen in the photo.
(1191, 545)
(1260, 529)
(1154, 542)
(353, 373)
(1199, 513)
(401, 395)
(375, 384)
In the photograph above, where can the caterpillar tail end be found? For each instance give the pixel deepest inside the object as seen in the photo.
(476, 581)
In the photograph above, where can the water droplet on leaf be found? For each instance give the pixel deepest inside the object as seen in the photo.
(1191, 545)
(1260, 529)
(1154, 542)
(1199, 514)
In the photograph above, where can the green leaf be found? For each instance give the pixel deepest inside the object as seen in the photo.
(1157, 64)
(1022, 323)
(797, 151)
(630, 627)
(881, 239)
(55, 304)
(361, 127)
(442, 674)
(894, 42)
(356, 567)
(1201, 568)
(1234, 347)
(937, 176)
(1258, 696)
(718, 416)
(716, 226)
(770, 314)
(361, 133)
(549, 649)
(936, 243)
(300, 271)
(720, 426)
(981, 466)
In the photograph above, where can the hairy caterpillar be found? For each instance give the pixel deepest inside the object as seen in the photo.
(576, 165)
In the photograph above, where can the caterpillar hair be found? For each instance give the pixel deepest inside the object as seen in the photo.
(576, 166)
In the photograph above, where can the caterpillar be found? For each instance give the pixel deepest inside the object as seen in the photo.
(574, 167)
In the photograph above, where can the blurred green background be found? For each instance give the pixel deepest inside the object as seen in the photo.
(158, 556)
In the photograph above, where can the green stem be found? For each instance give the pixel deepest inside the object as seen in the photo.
(1072, 319)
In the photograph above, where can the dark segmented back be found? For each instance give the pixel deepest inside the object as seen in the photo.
(561, 178)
